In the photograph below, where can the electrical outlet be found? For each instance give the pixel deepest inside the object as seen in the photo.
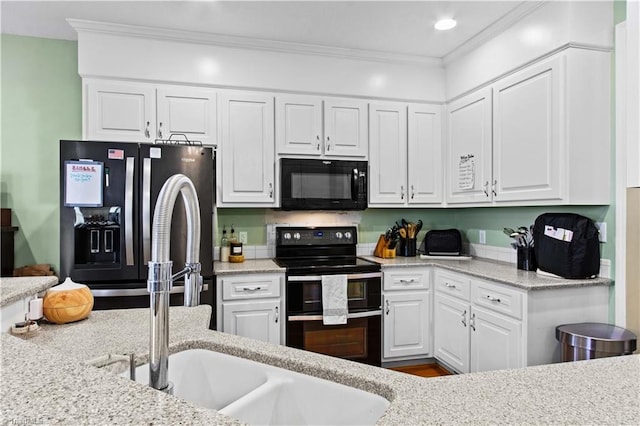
(482, 236)
(242, 237)
(602, 235)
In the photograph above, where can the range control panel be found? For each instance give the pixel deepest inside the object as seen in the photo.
(316, 235)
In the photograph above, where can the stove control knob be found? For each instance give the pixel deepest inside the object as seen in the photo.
(347, 235)
(286, 235)
(339, 235)
(296, 236)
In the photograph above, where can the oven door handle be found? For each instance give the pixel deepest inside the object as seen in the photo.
(349, 277)
(349, 316)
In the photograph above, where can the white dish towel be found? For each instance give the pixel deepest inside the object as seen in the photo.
(334, 299)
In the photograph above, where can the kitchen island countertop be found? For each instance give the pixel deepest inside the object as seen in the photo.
(16, 288)
(45, 380)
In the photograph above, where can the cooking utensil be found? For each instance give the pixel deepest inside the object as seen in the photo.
(418, 226)
(402, 232)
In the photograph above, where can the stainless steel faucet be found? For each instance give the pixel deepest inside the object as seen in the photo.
(161, 279)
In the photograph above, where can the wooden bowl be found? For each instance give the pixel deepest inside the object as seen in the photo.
(67, 302)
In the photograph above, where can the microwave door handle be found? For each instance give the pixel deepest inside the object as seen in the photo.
(354, 185)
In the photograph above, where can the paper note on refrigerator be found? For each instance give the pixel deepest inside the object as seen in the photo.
(83, 183)
(466, 172)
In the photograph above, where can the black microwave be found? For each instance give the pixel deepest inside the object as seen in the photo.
(323, 184)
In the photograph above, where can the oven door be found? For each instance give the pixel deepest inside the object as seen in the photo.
(357, 340)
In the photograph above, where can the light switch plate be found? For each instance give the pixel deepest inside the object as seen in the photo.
(482, 236)
(242, 236)
(602, 235)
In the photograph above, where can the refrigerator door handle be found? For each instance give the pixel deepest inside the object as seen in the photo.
(146, 210)
(128, 211)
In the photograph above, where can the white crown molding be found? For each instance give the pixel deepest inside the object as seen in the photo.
(499, 26)
(248, 43)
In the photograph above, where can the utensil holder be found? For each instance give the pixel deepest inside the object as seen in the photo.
(407, 247)
(527, 259)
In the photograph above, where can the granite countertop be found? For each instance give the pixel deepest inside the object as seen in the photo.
(45, 380)
(247, 267)
(502, 272)
(14, 289)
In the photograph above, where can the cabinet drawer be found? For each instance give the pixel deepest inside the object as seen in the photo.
(251, 286)
(497, 298)
(406, 279)
(452, 284)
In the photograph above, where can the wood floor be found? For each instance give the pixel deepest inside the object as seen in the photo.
(424, 370)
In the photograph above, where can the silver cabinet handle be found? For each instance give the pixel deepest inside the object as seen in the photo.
(317, 143)
(251, 288)
(413, 192)
(402, 192)
(277, 315)
(128, 211)
(449, 285)
(160, 130)
(387, 307)
(412, 280)
(328, 144)
(472, 322)
(493, 187)
(147, 134)
(485, 188)
(270, 190)
(146, 210)
(464, 318)
(492, 299)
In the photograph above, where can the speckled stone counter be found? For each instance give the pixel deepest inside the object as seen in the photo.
(13, 289)
(502, 272)
(248, 267)
(45, 381)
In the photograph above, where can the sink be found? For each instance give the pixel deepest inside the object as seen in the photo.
(260, 394)
(207, 378)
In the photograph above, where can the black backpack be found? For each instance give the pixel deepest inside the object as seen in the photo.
(567, 244)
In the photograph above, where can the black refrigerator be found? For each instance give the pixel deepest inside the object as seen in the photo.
(108, 192)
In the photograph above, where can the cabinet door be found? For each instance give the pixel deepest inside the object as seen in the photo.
(496, 341)
(451, 332)
(425, 154)
(406, 324)
(256, 320)
(388, 154)
(118, 111)
(469, 149)
(345, 128)
(190, 111)
(247, 149)
(528, 148)
(299, 125)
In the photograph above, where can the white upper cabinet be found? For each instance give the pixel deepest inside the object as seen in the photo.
(540, 136)
(299, 125)
(345, 128)
(247, 149)
(527, 143)
(424, 161)
(190, 111)
(405, 154)
(119, 111)
(388, 153)
(469, 148)
(317, 127)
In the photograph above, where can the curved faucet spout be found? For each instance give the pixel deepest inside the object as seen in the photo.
(160, 277)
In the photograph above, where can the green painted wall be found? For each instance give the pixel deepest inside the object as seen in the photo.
(41, 103)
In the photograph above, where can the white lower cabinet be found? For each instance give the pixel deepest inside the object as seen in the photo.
(407, 314)
(469, 337)
(250, 305)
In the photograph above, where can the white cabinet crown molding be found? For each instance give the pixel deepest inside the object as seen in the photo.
(224, 40)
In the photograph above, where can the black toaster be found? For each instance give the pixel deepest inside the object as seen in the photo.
(445, 242)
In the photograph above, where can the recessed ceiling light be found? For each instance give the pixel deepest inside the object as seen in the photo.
(445, 24)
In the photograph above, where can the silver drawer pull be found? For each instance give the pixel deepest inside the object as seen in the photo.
(492, 299)
(464, 318)
(449, 285)
(412, 280)
(251, 288)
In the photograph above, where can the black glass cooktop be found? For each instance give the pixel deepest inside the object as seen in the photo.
(327, 265)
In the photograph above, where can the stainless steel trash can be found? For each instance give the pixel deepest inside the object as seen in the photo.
(591, 340)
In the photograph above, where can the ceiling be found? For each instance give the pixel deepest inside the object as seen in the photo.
(381, 26)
